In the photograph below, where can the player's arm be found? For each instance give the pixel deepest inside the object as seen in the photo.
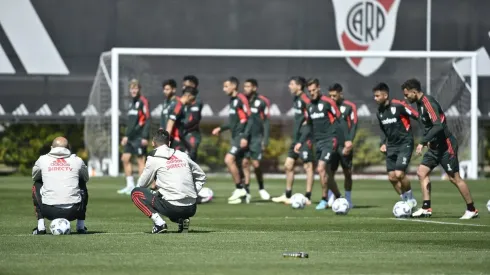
(436, 121)
(148, 175)
(353, 120)
(83, 172)
(198, 175)
(409, 110)
(335, 112)
(266, 122)
(194, 117)
(36, 171)
(383, 133)
(144, 119)
(174, 115)
(244, 117)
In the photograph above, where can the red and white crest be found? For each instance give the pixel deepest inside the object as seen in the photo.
(365, 25)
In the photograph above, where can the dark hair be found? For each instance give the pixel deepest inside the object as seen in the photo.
(192, 78)
(190, 90)
(161, 137)
(252, 81)
(336, 87)
(412, 84)
(312, 81)
(233, 80)
(169, 82)
(382, 87)
(299, 80)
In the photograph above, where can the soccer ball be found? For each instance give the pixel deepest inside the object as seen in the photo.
(298, 201)
(402, 209)
(488, 206)
(341, 206)
(205, 195)
(60, 227)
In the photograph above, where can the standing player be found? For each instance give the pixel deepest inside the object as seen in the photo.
(324, 118)
(192, 132)
(137, 133)
(443, 149)
(176, 118)
(300, 104)
(169, 88)
(397, 139)
(348, 111)
(239, 114)
(259, 136)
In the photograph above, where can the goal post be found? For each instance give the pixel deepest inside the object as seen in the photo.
(116, 53)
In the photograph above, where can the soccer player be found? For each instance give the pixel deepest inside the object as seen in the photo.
(348, 111)
(442, 149)
(192, 133)
(60, 187)
(259, 136)
(300, 103)
(135, 140)
(176, 118)
(396, 139)
(239, 114)
(325, 120)
(169, 88)
(178, 181)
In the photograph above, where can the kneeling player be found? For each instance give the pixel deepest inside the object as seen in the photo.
(60, 187)
(443, 149)
(397, 139)
(178, 181)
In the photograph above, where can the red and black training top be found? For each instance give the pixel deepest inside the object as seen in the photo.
(394, 120)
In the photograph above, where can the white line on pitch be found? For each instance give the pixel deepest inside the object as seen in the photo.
(447, 223)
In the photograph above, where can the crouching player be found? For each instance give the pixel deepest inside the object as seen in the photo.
(60, 187)
(178, 181)
(396, 140)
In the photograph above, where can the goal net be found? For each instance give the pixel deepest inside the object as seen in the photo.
(272, 69)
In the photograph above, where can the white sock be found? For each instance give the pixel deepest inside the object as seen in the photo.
(80, 224)
(348, 196)
(408, 195)
(402, 196)
(157, 219)
(40, 224)
(329, 194)
(130, 182)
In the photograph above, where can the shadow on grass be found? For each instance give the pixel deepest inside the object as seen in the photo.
(365, 206)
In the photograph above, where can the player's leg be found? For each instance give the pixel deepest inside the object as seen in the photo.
(289, 171)
(128, 169)
(402, 161)
(81, 209)
(423, 173)
(145, 200)
(255, 150)
(326, 154)
(245, 175)
(320, 169)
(346, 163)
(193, 140)
(231, 163)
(40, 229)
(310, 177)
(396, 183)
(334, 166)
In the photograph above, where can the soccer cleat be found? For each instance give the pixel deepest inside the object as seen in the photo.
(36, 231)
(468, 215)
(330, 201)
(125, 191)
(322, 205)
(412, 203)
(183, 225)
(422, 213)
(82, 230)
(157, 229)
(280, 199)
(237, 194)
(237, 201)
(248, 198)
(264, 195)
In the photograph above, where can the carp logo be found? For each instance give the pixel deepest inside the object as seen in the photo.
(365, 25)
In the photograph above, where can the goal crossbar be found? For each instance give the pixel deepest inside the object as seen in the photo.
(273, 53)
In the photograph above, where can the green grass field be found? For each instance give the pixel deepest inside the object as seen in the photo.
(250, 239)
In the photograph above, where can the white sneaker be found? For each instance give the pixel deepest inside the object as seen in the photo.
(468, 215)
(248, 198)
(125, 191)
(330, 201)
(412, 203)
(264, 195)
(237, 201)
(237, 194)
(422, 213)
(280, 199)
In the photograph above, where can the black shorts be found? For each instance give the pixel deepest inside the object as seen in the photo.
(326, 150)
(344, 161)
(398, 158)
(134, 147)
(305, 152)
(444, 154)
(235, 149)
(254, 150)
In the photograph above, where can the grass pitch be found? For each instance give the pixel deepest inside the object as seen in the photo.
(250, 239)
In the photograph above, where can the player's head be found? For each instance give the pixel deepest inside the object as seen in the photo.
(314, 88)
(161, 137)
(189, 95)
(134, 88)
(335, 92)
(296, 84)
(250, 86)
(381, 93)
(230, 85)
(411, 89)
(169, 86)
(190, 81)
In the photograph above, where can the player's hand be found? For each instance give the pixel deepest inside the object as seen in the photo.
(419, 149)
(297, 147)
(124, 141)
(216, 131)
(347, 148)
(153, 186)
(144, 142)
(383, 148)
(243, 143)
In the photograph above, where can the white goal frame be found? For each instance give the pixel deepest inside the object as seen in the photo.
(114, 80)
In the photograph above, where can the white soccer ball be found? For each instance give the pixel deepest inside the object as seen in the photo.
(298, 201)
(60, 227)
(488, 206)
(206, 195)
(341, 206)
(402, 209)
